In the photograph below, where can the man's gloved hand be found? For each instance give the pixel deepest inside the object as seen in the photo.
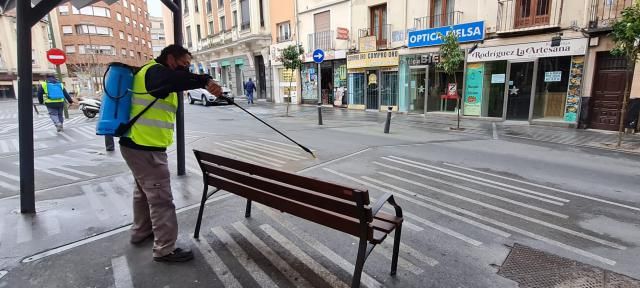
(214, 88)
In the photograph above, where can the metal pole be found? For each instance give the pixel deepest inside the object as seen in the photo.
(177, 35)
(25, 102)
(319, 96)
(387, 125)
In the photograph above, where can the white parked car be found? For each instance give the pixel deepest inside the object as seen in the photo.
(205, 98)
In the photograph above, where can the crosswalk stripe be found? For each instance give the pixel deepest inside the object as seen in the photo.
(115, 198)
(15, 144)
(272, 256)
(250, 153)
(413, 252)
(95, 202)
(124, 184)
(414, 227)
(4, 148)
(67, 137)
(273, 147)
(241, 157)
(59, 167)
(548, 188)
(480, 181)
(9, 186)
(321, 248)
(86, 133)
(217, 265)
(24, 229)
(403, 263)
(51, 224)
(54, 173)
(518, 203)
(256, 272)
(121, 272)
(280, 143)
(316, 267)
(261, 150)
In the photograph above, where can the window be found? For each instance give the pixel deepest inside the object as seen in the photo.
(161, 36)
(261, 6)
(135, 23)
(284, 32)
(155, 36)
(63, 9)
(220, 4)
(92, 11)
(137, 40)
(94, 30)
(97, 49)
(127, 20)
(244, 9)
(443, 13)
(144, 42)
(141, 26)
(210, 28)
(33, 57)
(149, 44)
(66, 30)
(70, 49)
(81, 49)
(121, 35)
(161, 25)
(208, 6)
(195, 6)
(532, 13)
(379, 23)
(133, 8)
(198, 32)
(186, 7)
(139, 11)
(119, 16)
(189, 42)
(123, 52)
(139, 55)
(223, 24)
(125, 4)
(235, 19)
(131, 53)
(129, 37)
(101, 11)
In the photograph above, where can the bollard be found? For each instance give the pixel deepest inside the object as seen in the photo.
(319, 113)
(388, 124)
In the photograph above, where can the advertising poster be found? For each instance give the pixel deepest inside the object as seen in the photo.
(473, 91)
(574, 89)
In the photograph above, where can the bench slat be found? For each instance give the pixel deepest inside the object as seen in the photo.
(314, 214)
(309, 197)
(388, 218)
(382, 226)
(332, 189)
(378, 237)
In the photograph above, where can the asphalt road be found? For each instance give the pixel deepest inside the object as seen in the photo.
(467, 197)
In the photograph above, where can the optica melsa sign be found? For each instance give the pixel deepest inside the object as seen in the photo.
(56, 56)
(467, 32)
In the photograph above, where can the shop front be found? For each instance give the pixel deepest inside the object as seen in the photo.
(285, 81)
(534, 82)
(373, 80)
(332, 76)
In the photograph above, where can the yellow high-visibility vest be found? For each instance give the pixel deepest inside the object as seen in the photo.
(155, 127)
(46, 93)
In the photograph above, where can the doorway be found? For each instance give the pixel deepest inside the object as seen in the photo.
(608, 91)
(373, 93)
(261, 78)
(519, 90)
(418, 90)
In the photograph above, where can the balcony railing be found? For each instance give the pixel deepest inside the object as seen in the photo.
(321, 40)
(283, 38)
(438, 20)
(518, 15)
(603, 13)
(215, 40)
(383, 35)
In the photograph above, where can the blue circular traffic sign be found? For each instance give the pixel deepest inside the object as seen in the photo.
(318, 56)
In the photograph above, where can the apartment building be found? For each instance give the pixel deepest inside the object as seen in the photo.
(286, 83)
(230, 40)
(8, 52)
(98, 34)
(158, 36)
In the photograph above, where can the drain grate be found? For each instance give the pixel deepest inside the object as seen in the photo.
(534, 268)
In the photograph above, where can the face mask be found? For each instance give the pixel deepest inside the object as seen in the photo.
(183, 68)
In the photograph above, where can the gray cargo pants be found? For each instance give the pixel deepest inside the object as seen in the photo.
(153, 208)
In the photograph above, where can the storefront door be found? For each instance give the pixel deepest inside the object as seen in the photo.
(520, 84)
(373, 93)
(418, 90)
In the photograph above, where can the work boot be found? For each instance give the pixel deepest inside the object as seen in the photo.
(58, 127)
(178, 255)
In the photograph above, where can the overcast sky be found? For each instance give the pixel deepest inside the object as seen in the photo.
(155, 7)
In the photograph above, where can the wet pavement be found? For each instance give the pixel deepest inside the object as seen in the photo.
(468, 197)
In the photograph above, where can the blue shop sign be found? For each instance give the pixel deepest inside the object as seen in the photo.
(467, 32)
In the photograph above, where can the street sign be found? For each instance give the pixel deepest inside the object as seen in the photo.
(318, 56)
(56, 56)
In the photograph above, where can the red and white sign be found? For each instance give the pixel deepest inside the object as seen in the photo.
(343, 34)
(56, 56)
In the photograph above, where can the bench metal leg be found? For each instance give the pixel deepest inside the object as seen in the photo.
(205, 196)
(396, 250)
(362, 256)
(247, 213)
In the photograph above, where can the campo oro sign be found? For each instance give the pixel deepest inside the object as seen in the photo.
(56, 56)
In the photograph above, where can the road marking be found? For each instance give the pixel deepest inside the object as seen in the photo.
(518, 203)
(466, 177)
(548, 188)
(241, 157)
(250, 153)
(316, 267)
(50, 224)
(67, 137)
(121, 272)
(87, 134)
(4, 148)
(75, 171)
(284, 144)
(414, 253)
(275, 259)
(217, 265)
(94, 202)
(403, 263)
(124, 184)
(3, 273)
(108, 233)
(54, 173)
(321, 248)
(273, 147)
(10, 176)
(241, 256)
(115, 198)
(332, 161)
(260, 150)
(494, 130)
(514, 214)
(11, 187)
(15, 144)
(25, 229)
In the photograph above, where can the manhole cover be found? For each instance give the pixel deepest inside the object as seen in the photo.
(534, 268)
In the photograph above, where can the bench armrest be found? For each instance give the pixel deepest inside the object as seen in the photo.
(388, 197)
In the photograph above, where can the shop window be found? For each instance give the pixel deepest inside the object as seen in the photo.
(442, 96)
(356, 88)
(484, 89)
(389, 88)
(309, 83)
(551, 88)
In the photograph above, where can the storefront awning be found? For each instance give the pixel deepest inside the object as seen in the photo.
(239, 61)
(225, 63)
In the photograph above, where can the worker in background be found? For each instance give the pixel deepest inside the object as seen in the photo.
(144, 148)
(52, 94)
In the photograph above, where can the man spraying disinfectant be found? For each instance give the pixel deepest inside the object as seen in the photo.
(52, 94)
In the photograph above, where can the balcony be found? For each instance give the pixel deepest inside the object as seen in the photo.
(603, 13)
(438, 20)
(521, 16)
(321, 40)
(215, 40)
(383, 35)
(283, 38)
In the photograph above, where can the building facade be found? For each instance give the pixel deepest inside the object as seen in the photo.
(8, 52)
(158, 36)
(230, 40)
(96, 35)
(286, 83)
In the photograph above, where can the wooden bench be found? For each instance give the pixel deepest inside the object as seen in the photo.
(335, 206)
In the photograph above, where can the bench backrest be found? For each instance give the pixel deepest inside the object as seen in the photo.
(332, 205)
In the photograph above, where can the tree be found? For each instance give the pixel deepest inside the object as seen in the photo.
(626, 36)
(451, 57)
(291, 60)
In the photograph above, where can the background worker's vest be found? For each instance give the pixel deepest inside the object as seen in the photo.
(155, 127)
(52, 92)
